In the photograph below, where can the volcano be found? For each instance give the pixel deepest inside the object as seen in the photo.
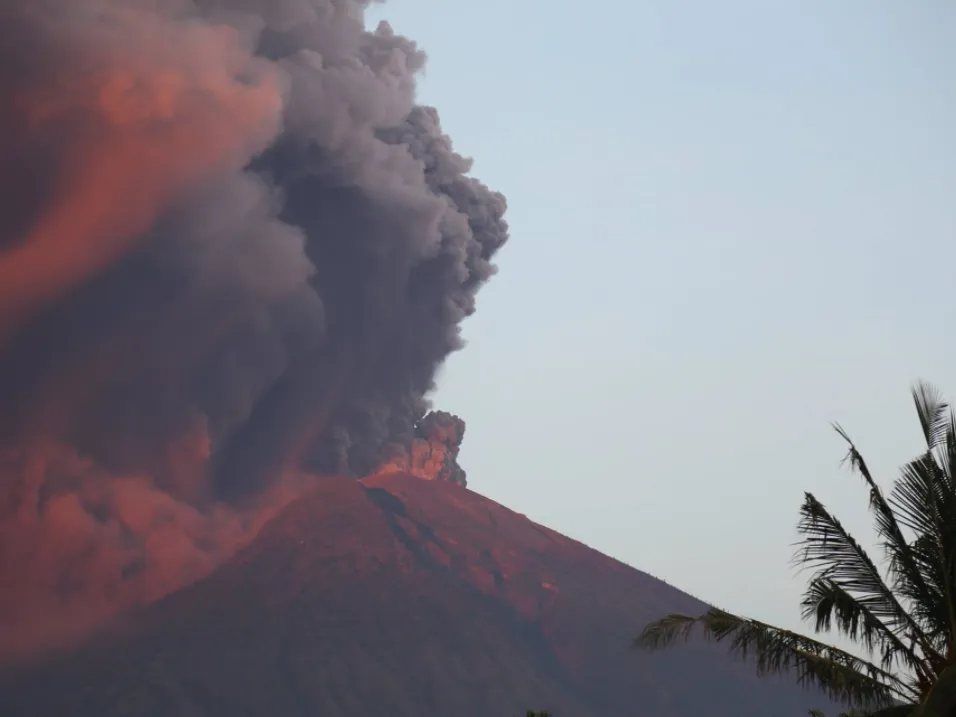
(401, 597)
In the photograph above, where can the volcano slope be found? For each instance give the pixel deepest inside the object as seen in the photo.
(400, 597)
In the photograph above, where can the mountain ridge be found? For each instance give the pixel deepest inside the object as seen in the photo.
(393, 595)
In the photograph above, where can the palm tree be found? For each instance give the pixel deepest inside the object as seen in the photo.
(903, 615)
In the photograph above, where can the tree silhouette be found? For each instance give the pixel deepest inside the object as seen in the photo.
(903, 616)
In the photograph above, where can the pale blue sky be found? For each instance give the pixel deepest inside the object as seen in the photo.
(732, 223)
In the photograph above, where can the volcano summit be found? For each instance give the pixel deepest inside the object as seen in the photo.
(402, 597)
(233, 249)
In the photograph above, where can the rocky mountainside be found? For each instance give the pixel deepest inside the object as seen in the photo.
(400, 597)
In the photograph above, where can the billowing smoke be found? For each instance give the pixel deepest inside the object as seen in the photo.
(433, 453)
(233, 251)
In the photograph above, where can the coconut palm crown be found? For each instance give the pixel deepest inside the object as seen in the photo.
(901, 612)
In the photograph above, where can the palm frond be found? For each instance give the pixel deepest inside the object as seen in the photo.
(827, 602)
(933, 412)
(907, 574)
(839, 674)
(921, 495)
(925, 500)
(945, 451)
(841, 561)
(933, 612)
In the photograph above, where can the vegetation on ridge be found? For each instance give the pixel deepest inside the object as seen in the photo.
(903, 616)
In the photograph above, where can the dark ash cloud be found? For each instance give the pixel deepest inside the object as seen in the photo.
(235, 250)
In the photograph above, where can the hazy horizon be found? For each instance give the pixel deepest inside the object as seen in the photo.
(726, 224)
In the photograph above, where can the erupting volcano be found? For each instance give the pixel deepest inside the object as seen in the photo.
(233, 253)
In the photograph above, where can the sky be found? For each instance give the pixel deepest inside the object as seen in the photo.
(732, 223)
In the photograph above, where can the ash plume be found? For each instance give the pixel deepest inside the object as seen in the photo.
(433, 452)
(233, 251)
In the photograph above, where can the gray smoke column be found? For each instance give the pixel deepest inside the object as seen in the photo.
(233, 250)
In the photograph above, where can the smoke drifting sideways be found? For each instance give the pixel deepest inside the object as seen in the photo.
(233, 253)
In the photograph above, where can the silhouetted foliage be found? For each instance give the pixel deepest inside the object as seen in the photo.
(903, 616)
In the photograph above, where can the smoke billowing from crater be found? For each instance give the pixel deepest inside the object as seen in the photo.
(232, 250)
(433, 453)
